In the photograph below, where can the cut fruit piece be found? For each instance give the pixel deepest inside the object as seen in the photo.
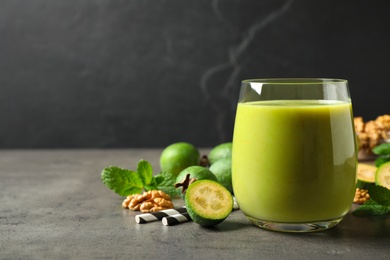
(208, 203)
(383, 175)
(365, 175)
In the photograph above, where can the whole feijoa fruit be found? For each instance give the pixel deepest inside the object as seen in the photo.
(222, 169)
(220, 151)
(195, 171)
(178, 156)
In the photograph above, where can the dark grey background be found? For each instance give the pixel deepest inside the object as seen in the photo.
(146, 73)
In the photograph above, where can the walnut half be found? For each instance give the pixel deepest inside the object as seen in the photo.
(150, 201)
(373, 132)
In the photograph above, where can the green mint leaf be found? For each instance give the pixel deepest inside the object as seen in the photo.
(145, 172)
(379, 194)
(165, 181)
(123, 182)
(152, 185)
(381, 160)
(371, 208)
(382, 149)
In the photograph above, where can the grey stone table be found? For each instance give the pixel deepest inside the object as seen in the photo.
(53, 205)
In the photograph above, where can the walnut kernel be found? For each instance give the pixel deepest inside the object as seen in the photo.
(373, 132)
(150, 201)
(361, 196)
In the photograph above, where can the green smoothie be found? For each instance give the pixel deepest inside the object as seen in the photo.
(294, 161)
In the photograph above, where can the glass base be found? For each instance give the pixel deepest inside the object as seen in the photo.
(295, 227)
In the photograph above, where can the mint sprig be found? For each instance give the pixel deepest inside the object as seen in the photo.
(122, 181)
(377, 205)
(371, 208)
(382, 149)
(145, 171)
(165, 181)
(383, 152)
(380, 194)
(127, 182)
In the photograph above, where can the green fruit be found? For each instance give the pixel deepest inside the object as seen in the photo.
(365, 175)
(208, 203)
(222, 169)
(221, 151)
(383, 175)
(178, 156)
(197, 172)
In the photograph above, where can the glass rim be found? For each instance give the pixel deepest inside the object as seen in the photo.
(292, 81)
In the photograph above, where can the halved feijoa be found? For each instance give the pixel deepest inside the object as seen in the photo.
(383, 175)
(208, 203)
(365, 175)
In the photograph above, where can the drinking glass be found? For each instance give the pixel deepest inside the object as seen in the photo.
(294, 153)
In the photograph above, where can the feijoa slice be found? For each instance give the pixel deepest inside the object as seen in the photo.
(365, 175)
(383, 175)
(208, 203)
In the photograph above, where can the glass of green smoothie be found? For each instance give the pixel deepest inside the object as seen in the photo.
(294, 153)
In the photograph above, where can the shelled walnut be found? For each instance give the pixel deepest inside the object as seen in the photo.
(361, 196)
(150, 201)
(372, 133)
